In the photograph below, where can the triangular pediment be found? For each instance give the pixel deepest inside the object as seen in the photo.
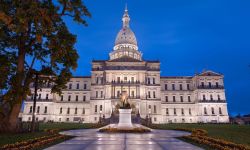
(209, 73)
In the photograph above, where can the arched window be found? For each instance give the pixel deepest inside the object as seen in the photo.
(61, 110)
(212, 110)
(211, 97)
(205, 110)
(220, 111)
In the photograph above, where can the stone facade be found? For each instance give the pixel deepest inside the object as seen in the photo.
(186, 99)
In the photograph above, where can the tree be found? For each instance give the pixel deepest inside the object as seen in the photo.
(33, 33)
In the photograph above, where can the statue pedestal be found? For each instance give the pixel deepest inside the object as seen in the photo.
(125, 118)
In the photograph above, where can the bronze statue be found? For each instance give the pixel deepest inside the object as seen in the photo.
(124, 100)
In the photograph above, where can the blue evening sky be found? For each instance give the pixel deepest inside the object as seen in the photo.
(187, 36)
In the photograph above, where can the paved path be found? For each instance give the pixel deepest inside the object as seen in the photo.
(90, 139)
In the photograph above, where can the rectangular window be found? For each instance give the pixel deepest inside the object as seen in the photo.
(96, 94)
(173, 98)
(68, 111)
(84, 98)
(118, 79)
(166, 87)
(153, 80)
(189, 99)
(77, 98)
(181, 98)
(148, 80)
(166, 111)
(132, 79)
(75, 110)
(61, 97)
(218, 97)
(149, 96)
(189, 110)
(210, 85)
(100, 108)
(211, 97)
(154, 108)
(202, 84)
(39, 97)
(45, 109)
(174, 111)
(95, 108)
(70, 86)
(188, 87)
(173, 87)
(85, 86)
(133, 93)
(204, 97)
(69, 98)
(180, 86)
(83, 111)
(154, 94)
(125, 79)
(182, 111)
(47, 96)
(166, 98)
(101, 93)
(217, 84)
(77, 86)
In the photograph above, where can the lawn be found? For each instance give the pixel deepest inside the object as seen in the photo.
(235, 133)
(13, 138)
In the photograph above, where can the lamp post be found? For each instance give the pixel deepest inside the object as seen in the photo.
(100, 118)
(149, 112)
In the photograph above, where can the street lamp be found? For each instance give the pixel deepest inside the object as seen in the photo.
(149, 111)
(100, 118)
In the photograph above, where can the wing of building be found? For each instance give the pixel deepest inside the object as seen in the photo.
(185, 99)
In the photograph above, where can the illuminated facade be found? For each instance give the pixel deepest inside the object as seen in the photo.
(182, 99)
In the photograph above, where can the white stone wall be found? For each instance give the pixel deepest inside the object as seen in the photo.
(164, 100)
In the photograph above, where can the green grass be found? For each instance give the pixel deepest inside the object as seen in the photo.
(235, 133)
(13, 138)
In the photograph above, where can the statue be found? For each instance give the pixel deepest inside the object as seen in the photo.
(124, 100)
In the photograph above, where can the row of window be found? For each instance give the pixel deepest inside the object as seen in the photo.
(39, 96)
(212, 111)
(151, 96)
(96, 108)
(210, 84)
(77, 86)
(182, 111)
(99, 95)
(174, 88)
(75, 110)
(149, 81)
(38, 109)
(211, 97)
(76, 98)
(181, 99)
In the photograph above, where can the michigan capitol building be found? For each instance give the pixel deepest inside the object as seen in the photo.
(165, 99)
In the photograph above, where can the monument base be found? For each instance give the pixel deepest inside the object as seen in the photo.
(125, 118)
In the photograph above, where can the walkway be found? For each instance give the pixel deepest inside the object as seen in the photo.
(90, 139)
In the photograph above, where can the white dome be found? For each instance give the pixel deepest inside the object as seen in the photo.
(126, 36)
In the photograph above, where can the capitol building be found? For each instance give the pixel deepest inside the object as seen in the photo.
(164, 99)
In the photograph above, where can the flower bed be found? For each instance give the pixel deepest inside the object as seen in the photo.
(36, 142)
(200, 136)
